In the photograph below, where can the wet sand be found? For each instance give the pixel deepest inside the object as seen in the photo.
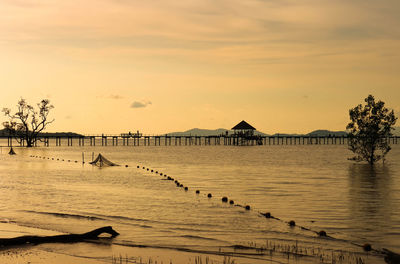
(102, 251)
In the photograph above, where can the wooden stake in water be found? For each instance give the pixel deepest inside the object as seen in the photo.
(83, 157)
(92, 156)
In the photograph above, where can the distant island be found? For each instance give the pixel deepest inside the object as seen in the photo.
(222, 131)
(6, 133)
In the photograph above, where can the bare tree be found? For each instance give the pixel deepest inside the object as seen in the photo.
(369, 129)
(26, 124)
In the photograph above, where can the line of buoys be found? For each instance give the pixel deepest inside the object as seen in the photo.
(268, 215)
(178, 184)
(58, 159)
(291, 223)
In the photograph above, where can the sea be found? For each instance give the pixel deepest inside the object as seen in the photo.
(315, 186)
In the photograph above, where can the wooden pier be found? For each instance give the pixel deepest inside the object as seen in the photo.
(190, 140)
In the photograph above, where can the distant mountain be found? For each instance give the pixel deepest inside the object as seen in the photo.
(5, 133)
(396, 131)
(207, 132)
(286, 135)
(326, 133)
(315, 133)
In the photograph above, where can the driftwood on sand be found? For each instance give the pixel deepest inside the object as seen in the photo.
(391, 257)
(71, 238)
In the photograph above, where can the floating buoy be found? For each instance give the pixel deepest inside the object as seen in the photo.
(138, 166)
(322, 233)
(231, 202)
(169, 178)
(161, 173)
(186, 188)
(197, 191)
(156, 172)
(147, 168)
(367, 247)
(209, 195)
(268, 215)
(151, 170)
(126, 166)
(247, 207)
(225, 199)
(181, 185)
(143, 167)
(292, 223)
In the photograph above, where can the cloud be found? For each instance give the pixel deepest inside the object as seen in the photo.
(140, 104)
(111, 96)
(115, 96)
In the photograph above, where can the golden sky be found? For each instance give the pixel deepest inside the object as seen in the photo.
(112, 66)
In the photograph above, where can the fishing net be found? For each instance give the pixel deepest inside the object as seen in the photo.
(101, 161)
(12, 152)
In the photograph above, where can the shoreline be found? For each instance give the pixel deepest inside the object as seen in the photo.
(104, 251)
(96, 252)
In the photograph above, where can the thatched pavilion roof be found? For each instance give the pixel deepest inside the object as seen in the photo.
(243, 125)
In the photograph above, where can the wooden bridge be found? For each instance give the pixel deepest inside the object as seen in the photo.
(189, 140)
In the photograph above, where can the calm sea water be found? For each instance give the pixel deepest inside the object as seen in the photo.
(314, 185)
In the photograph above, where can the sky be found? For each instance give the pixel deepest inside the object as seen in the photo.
(284, 66)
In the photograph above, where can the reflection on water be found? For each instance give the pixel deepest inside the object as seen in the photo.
(370, 201)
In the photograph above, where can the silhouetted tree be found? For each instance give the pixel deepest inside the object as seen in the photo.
(369, 129)
(28, 122)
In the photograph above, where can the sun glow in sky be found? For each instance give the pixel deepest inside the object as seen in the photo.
(112, 66)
